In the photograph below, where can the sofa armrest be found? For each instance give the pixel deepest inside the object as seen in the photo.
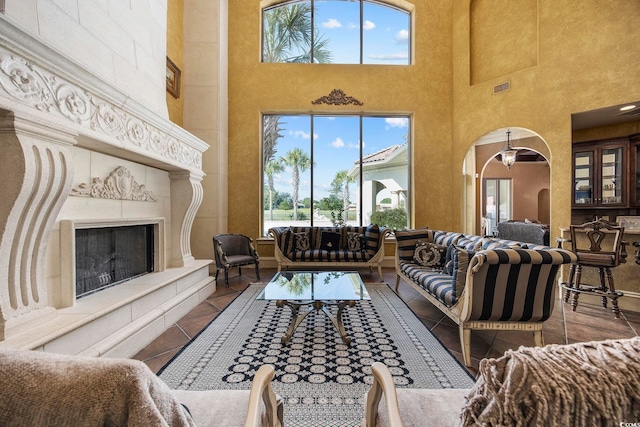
(512, 285)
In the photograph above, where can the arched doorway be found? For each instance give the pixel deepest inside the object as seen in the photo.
(495, 193)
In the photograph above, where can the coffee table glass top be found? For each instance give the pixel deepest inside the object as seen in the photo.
(316, 286)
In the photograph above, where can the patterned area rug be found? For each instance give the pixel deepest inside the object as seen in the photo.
(321, 380)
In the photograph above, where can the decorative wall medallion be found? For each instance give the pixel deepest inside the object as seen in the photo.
(337, 97)
(119, 185)
(33, 86)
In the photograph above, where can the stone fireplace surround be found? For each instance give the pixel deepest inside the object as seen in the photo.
(54, 115)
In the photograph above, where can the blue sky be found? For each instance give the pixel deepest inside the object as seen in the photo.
(385, 34)
(336, 146)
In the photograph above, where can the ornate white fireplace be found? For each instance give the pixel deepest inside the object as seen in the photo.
(64, 130)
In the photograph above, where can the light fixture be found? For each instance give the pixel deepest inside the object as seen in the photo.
(508, 154)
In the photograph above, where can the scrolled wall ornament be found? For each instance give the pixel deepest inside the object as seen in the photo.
(337, 97)
(119, 185)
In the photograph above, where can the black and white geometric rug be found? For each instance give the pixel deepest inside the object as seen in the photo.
(321, 380)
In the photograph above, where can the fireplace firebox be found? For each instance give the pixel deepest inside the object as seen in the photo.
(108, 256)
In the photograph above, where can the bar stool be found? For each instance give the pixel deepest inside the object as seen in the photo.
(597, 244)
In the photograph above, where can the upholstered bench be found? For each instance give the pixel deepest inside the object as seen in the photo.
(320, 247)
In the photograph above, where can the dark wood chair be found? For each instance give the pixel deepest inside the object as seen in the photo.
(234, 250)
(597, 244)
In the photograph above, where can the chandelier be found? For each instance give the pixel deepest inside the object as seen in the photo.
(508, 154)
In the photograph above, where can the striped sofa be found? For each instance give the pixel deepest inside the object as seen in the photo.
(481, 282)
(319, 247)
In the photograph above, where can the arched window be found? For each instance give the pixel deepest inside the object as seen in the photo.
(337, 32)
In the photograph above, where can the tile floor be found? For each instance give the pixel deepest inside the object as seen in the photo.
(588, 323)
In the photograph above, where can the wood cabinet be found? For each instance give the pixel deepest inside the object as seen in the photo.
(601, 174)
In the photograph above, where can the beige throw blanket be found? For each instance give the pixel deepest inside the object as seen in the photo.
(45, 389)
(583, 384)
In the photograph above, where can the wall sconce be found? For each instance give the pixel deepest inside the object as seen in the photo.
(508, 154)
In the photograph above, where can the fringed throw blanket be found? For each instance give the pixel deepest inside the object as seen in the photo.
(584, 384)
(44, 389)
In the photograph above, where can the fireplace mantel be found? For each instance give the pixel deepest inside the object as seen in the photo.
(49, 106)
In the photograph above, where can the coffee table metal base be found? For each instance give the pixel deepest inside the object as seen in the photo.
(297, 315)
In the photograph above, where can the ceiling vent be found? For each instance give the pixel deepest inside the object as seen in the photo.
(502, 87)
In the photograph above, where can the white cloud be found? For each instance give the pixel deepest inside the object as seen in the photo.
(402, 36)
(352, 26)
(368, 25)
(332, 23)
(397, 122)
(338, 143)
(302, 134)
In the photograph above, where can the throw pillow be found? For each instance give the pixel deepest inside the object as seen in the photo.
(355, 242)
(430, 255)
(301, 241)
(330, 241)
(461, 258)
(406, 241)
(448, 260)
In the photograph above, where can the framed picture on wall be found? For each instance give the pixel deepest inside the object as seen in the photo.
(173, 78)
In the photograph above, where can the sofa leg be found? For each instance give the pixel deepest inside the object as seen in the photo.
(538, 339)
(380, 273)
(465, 344)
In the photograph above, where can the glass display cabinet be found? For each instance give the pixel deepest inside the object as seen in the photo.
(600, 174)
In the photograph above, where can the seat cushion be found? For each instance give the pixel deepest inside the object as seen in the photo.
(214, 408)
(426, 407)
(437, 284)
(240, 260)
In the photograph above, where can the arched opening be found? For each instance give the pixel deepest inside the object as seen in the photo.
(495, 193)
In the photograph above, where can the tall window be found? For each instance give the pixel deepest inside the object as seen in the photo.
(335, 170)
(336, 31)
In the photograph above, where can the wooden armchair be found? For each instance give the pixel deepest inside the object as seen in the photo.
(234, 250)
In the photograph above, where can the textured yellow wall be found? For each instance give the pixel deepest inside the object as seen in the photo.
(175, 51)
(587, 59)
(423, 90)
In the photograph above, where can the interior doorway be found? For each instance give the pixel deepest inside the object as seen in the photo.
(495, 193)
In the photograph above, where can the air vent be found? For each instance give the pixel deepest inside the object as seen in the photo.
(502, 87)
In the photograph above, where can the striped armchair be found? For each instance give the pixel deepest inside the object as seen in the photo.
(507, 287)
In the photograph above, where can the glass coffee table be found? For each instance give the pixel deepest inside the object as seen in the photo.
(305, 291)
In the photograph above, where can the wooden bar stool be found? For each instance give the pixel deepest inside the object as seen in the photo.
(597, 244)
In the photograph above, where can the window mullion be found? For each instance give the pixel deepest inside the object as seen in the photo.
(312, 171)
(313, 9)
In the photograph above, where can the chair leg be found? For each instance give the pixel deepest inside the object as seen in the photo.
(226, 276)
(239, 271)
(614, 295)
(257, 271)
(603, 285)
(574, 300)
(217, 271)
(570, 282)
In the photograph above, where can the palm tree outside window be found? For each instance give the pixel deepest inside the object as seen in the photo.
(336, 31)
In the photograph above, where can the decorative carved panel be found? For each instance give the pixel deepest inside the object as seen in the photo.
(119, 185)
